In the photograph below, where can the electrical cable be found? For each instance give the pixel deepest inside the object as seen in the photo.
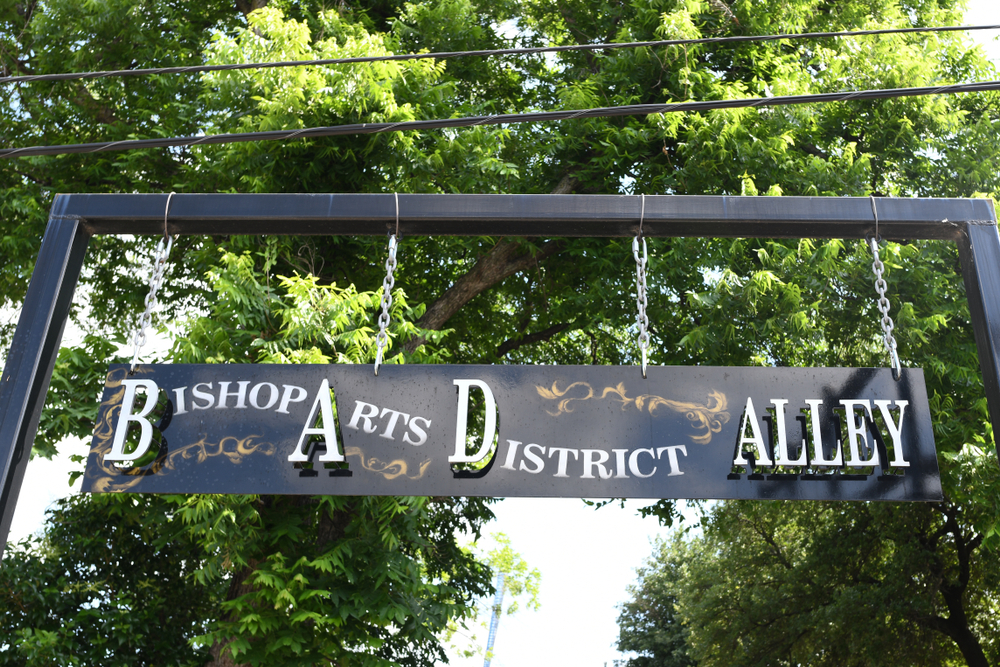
(501, 119)
(29, 78)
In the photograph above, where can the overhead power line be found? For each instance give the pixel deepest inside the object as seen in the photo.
(29, 78)
(501, 119)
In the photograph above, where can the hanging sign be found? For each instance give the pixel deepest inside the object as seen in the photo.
(566, 431)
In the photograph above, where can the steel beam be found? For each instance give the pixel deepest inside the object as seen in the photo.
(979, 248)
(33, 352)
(525, 215)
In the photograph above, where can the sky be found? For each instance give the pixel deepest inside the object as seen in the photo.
(587, 557)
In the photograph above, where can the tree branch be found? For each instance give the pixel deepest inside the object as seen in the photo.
(503, 260)
(83, 98)
(512, 344)
(247, 6)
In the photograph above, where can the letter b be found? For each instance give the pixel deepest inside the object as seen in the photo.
(117, 452)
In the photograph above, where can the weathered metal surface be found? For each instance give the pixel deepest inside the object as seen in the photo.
(979, 248)
(567, 431)
(525, 215)
(32, 356)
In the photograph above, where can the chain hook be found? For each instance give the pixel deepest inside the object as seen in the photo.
(155, 280)
(875, 213)
(166, 212)
(642, 212)
(640, 287)
(396, 194)
(883, 303)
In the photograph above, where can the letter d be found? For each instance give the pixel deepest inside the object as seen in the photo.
(461, 427)
(117, 452)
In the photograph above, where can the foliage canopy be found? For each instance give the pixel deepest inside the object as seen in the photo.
(357, 580)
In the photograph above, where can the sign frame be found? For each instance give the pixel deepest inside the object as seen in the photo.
(75, 218)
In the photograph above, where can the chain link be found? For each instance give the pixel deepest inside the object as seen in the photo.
(382, 339)
(640, 289)
(883, 305)
(155, 280)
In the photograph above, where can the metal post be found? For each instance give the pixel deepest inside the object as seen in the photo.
(494, 620)
(33, 352)
(979, 248)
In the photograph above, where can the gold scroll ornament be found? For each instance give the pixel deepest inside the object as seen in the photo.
(706, 418)
(234, 449)
(390, 470)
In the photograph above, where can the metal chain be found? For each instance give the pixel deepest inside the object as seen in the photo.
(383, 320)
(382, 339)
(883, 303)
(640, 288)
(155, 280)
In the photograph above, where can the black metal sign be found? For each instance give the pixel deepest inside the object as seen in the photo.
(568, 431)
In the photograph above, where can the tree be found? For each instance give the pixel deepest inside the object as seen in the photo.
(283, 580)
(649, 624)
(503, 300)
(780, 583)
(329, 578)
(106, 584)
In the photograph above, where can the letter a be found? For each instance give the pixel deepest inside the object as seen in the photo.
(117, 452)
(328, 430)
(755, 439)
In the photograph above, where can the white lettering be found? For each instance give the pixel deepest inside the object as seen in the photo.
(755, 439)
(365, 411)
(272, 395)
(179, 393)
(512, 446)
(781, 454)
(633, 462)
(292, 394)
(203, 395)
(461, 426)
(126, 415)
(534, 458)
(328, 430)
(589, 463)
(563, 456)
(817, 457)
(421, 433)
(392, 422)
(895, 431)
(672, 457)
(856, 431)
(620, 465)
(240, 394)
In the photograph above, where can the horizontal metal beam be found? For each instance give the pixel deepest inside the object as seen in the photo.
(524, 215)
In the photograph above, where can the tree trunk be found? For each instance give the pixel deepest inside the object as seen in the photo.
(329, 528)
(222, 658)
(503, 260)
(957, 627)
(247, 6)
(239, 586)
